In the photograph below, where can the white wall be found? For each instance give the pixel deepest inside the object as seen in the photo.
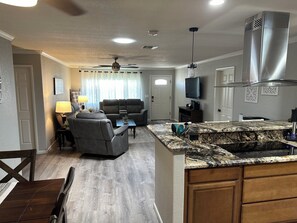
(51, 69)
(272, 107)
(75, 79)
(9, 129)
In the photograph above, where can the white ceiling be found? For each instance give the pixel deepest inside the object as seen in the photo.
(85, 41)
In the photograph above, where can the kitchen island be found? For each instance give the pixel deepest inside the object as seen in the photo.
(199, 181)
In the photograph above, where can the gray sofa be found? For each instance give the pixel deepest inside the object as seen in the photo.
(93, 133)
(134, 107)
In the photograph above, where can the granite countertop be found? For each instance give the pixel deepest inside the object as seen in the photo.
(205, 155)
(215, 127)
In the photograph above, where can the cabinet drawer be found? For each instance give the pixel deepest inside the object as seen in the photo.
(273, 211)
(270, 170)
(214, 174)
(269, 188)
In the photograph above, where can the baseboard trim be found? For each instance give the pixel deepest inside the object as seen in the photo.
(157, 213)
(52, 145)
(40, 152)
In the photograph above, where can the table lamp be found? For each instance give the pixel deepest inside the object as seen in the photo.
(62, 107)
(81, 100)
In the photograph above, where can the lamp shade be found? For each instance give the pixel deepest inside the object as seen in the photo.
(82, 99)
(20, 3)
(63, 107)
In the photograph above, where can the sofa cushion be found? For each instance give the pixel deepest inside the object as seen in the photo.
(133, 105)
(133, 102)
(122, 104)
(111, 106)
(133, 108)
(136, 117)
(95, 115)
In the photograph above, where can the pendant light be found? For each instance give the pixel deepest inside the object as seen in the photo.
(192, 68)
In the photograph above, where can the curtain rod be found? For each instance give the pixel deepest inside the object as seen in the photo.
(111, 72)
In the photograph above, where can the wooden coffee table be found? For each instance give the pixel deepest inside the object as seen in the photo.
(130, 122)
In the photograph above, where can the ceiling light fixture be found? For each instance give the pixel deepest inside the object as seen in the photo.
(20, 3)
(123, 40)
(216, 2)
(192, 68)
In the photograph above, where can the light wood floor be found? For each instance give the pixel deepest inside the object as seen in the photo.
(117, 190)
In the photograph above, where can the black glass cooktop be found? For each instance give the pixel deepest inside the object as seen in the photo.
(259, 149)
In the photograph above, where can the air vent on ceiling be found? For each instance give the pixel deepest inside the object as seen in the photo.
(150, 47)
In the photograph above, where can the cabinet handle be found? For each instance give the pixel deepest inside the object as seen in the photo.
(219, 110)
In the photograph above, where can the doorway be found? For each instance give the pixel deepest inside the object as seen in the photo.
(25, 106)
(161, 100)
(223, 101)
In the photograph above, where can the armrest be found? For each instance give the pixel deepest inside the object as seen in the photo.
(143, 111)
(121, 130)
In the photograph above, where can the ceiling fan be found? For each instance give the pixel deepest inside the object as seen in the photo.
(67, 6)
(115, 66)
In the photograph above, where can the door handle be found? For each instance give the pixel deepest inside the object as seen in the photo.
(219, 110)
(153, 98)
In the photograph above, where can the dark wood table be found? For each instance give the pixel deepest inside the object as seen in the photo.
(130, 122)
(31, 201)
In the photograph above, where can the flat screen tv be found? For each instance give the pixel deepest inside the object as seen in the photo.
(192, 87)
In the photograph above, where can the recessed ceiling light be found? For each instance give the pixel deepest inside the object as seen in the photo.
(216, 2)
(123, 40)
(21, 3)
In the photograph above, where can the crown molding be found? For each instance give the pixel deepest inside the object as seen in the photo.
(6, 35)
(224, 56)
(54, 59)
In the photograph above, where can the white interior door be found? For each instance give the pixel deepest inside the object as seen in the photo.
(223, 107)
(161, 88)
(23, 77)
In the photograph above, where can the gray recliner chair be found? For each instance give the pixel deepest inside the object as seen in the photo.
(96, 136)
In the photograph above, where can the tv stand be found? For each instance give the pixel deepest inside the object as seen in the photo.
(189, 115)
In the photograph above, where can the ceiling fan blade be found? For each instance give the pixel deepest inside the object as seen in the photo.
(98, 66)
(67, 6)
(127, 66)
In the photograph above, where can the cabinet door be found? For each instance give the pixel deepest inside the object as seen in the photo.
(214, 202)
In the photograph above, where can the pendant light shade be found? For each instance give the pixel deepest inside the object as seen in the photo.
(20, 3)
(192, 68)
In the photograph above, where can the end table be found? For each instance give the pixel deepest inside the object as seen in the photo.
(61, 134)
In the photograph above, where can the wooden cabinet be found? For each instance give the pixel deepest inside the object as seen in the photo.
(270, 193)
(213, 195)
(256, 193)
(189, 115)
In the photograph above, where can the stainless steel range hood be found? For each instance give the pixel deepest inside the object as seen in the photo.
(265, 51)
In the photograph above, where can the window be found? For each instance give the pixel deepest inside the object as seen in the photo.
(160, 82)
(100, 85)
